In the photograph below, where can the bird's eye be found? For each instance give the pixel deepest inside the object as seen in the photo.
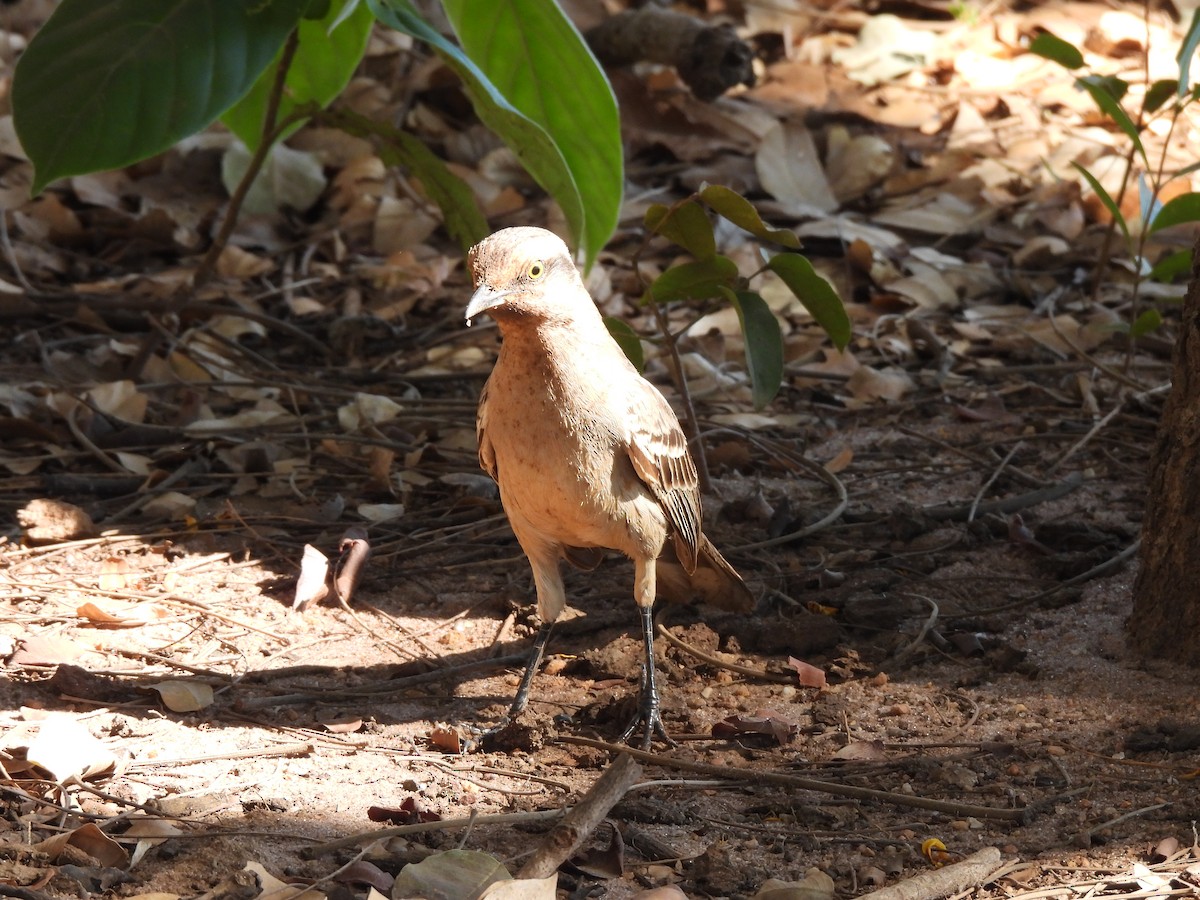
(537, 270)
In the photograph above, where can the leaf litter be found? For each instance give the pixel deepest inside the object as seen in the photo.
(321, 390)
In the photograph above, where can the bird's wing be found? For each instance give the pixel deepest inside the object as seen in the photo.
(487, 454)
(658, 451)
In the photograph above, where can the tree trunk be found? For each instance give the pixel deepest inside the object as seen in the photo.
(1166, 594)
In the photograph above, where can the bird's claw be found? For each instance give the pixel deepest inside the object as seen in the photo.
(648, 715)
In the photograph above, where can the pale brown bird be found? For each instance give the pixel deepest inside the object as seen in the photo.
(588, 455)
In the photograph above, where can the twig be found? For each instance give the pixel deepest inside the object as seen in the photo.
(270, 134)
(987, 484)
(1019, 474)
(925, 629)
(975, 870)
(760, 674)
(567, 836)
(796, 782)
(1092, 432)
(1084, 839)
(287, 750)
(1093, 572)
(353, 840)
(1008, 504)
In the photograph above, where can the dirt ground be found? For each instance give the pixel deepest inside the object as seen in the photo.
(940, 524)
(953, 674)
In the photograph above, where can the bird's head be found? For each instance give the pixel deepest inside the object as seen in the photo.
(525, 273)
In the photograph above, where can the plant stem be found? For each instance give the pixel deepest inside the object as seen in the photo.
(691, 423)
(271, 130)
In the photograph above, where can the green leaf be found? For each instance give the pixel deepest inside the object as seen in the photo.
(1187, 51)
(764, 344)
(537, 59)
(1148, 321)
(1176, 211)
(329, 50)
(817, 295)
(737, 209)
(103, 85)
(527, 139)
(1103, 92)
(1109, 203)
(1159, 93)
(694, 280)
(627, 339)
(460, 213)
(1056, 50)
(686, 225)
(1172, 266)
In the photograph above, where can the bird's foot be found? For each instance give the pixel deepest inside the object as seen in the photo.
(650, 718)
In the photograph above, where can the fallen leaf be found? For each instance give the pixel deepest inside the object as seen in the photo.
(184, 696)
(810, 676)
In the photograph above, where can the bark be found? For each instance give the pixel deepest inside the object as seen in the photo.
(1166, 594)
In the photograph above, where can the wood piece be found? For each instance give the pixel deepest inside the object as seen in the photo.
(567, 836)
(709, 58)
(960, 876)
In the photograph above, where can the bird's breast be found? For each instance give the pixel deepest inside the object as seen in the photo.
(562, 464)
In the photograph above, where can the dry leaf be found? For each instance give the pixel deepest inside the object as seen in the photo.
(66, 749)
(815, 885)
(184, 696)
(861, 751)
(809, 676)
(313, 584)
(89, 839)
(790, 171)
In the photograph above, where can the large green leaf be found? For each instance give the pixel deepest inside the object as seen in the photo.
(105, 84)
(534, 56)
(1054, 48)
(687, 225)
(694, 280)
(731, 205)
(528, 140)
(764, 344)
(329, 50)
(1177, 211)
(815, 293)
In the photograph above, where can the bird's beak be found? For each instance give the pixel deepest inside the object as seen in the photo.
(484, 299)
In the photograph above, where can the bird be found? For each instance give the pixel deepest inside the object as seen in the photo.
(588, 455)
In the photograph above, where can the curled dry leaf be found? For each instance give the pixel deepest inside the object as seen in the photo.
(410, 812)
(355, 550)
(313, 583)
(861, 751)
(603, 862)
(815, 885)
(65, 749)
(89, 839)
(765, 721)
(363, 872)
(448, 740)
(810, 676)
(184, 696)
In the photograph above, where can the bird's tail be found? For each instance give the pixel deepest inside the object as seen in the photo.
(714, 582)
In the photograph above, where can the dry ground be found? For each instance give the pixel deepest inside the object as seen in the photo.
(964, 599)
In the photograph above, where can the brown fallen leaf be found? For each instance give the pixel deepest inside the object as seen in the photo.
(765, 721)
(810, 676)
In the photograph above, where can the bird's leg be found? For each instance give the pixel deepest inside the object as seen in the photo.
(648, 713)
(521, 700)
